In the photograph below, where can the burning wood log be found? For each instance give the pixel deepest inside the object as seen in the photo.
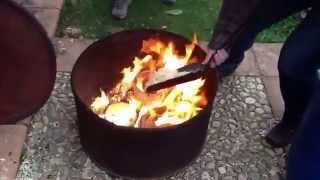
(147, 121)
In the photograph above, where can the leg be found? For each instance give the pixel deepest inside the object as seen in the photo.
(169, 2)
(304, 155)
(298, 63)
(268, 13)
(120, 8)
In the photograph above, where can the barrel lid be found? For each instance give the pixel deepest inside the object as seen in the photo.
(27, 63)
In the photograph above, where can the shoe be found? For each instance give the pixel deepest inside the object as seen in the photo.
(169, 2)
(120, 8)
(281, 135)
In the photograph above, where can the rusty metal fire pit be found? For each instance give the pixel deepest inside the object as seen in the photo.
(27, 63)
(126, 151)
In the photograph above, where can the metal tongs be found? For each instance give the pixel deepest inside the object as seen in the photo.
(165, 79)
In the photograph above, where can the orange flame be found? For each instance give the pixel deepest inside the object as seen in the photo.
(127, 104)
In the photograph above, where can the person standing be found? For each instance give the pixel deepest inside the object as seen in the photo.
(238, 24)
(120, 7)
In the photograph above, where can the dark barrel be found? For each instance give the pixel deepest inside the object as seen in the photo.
(27, 63)
(125, 151)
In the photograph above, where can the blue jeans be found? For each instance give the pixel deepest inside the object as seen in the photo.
(300, 87)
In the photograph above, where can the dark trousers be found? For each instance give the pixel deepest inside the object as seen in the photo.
(304, 154)
(298, 63)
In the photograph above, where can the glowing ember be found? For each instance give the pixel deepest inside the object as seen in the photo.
(127, 104)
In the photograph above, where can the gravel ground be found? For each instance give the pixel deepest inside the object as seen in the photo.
(234, 150)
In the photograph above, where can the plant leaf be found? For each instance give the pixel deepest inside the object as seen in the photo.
(174, 12)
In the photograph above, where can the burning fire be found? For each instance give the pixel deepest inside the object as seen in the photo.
(127, 104)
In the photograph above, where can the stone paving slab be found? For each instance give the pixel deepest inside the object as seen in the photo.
(249, 65)
(48, 18)
(45, 4)
(11, 142)
(267, 58)
(68, 51)
(234, 150)
(274, 95)
(46, 11)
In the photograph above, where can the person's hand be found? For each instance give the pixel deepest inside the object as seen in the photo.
(217, 57)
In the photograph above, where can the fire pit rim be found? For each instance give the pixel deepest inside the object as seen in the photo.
(12, 119)
(137, 129)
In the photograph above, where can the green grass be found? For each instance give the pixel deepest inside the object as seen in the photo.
(278, 32)
(94, 18)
